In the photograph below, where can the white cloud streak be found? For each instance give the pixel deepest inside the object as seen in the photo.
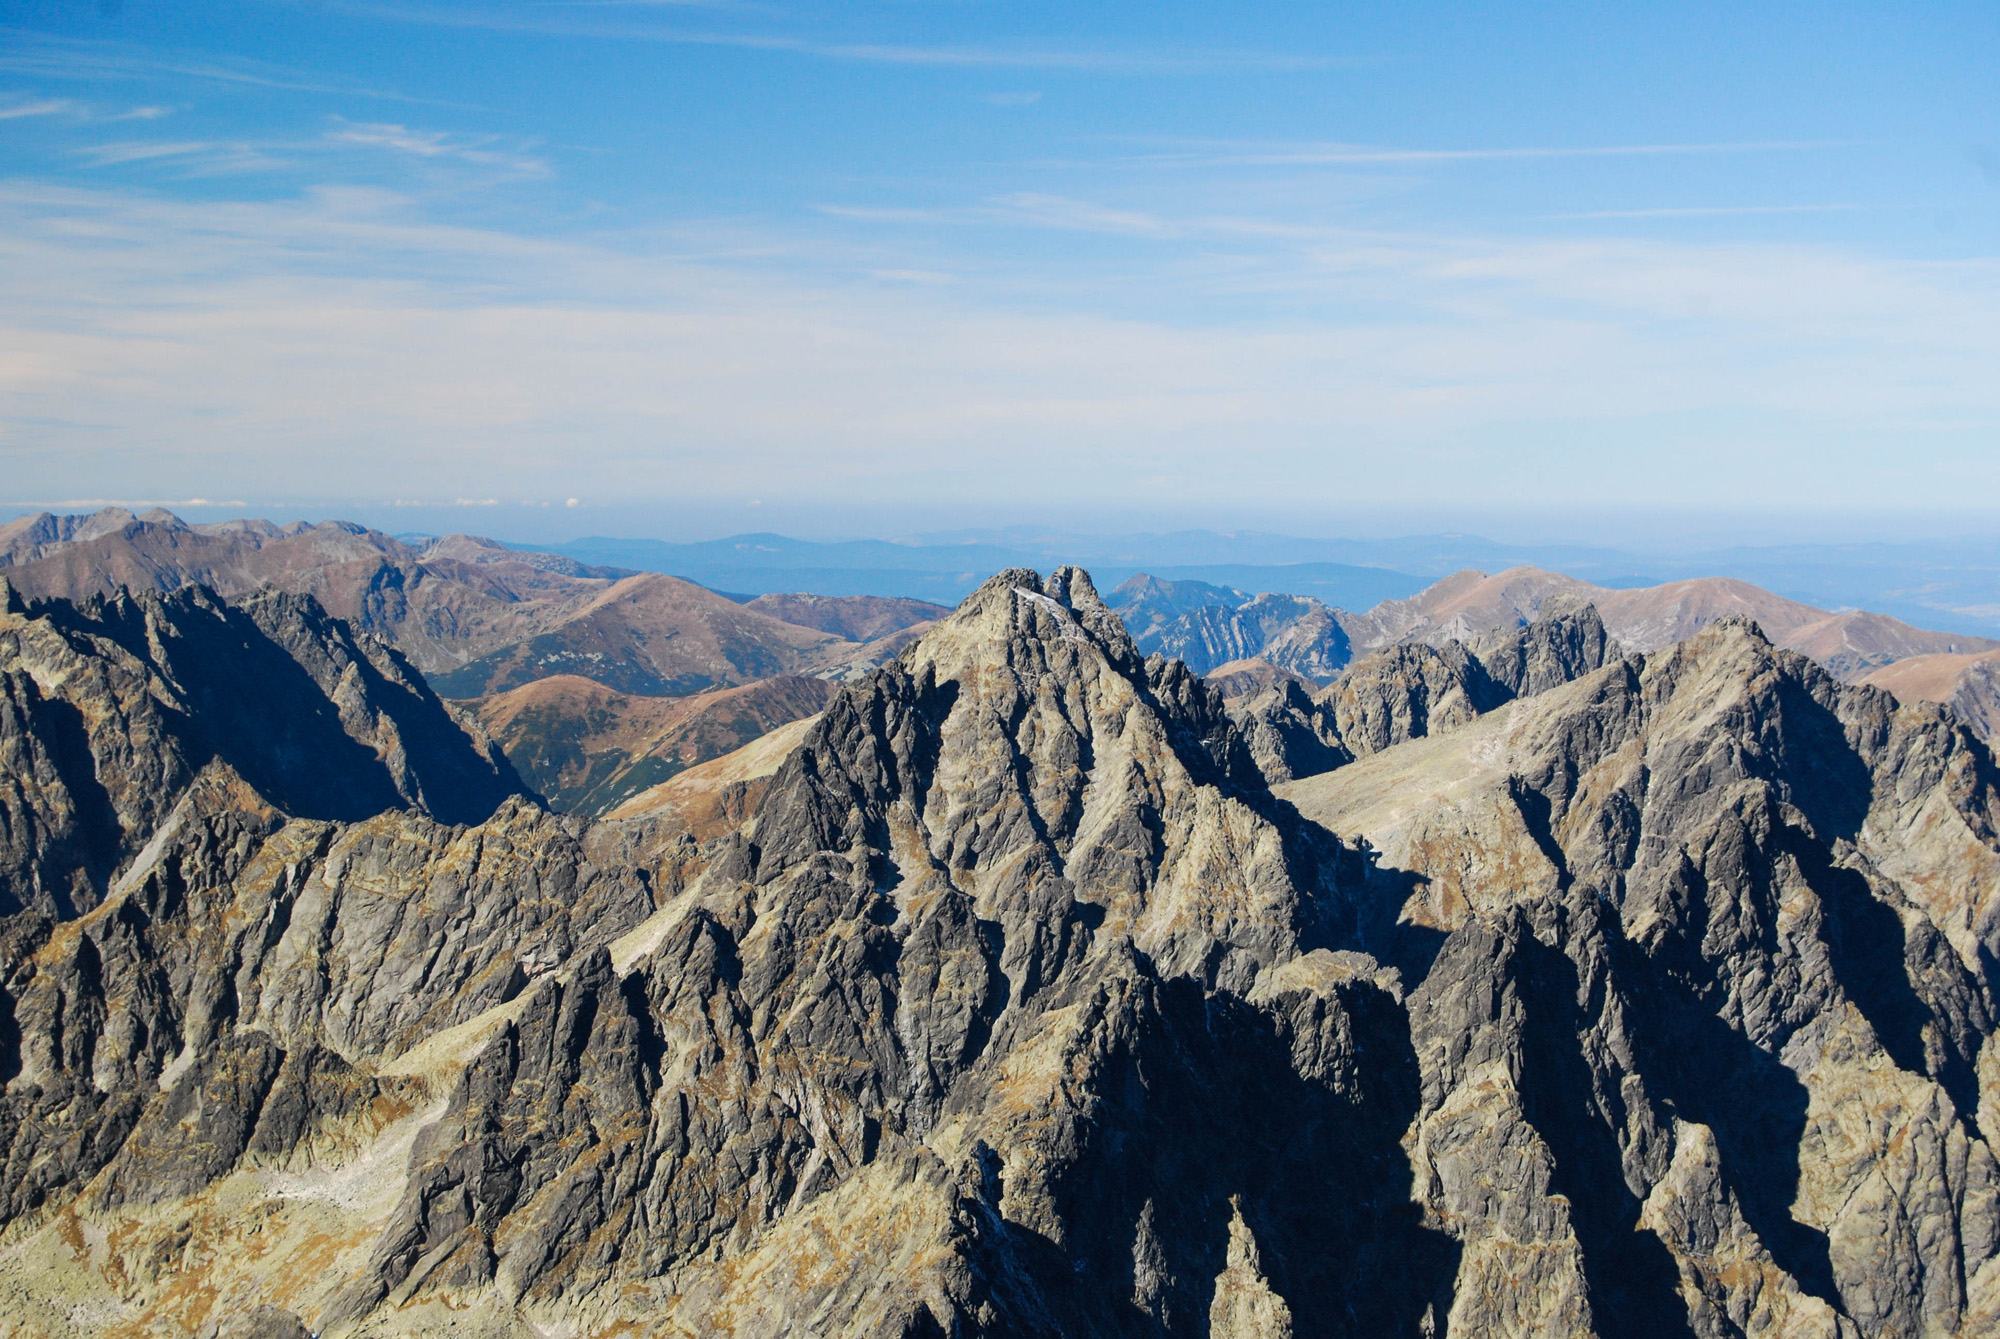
(41, 56)
(145, 151)
(435, 144)
(41, 107)
(213, 157)
(875, 53)
(297, 347)
(1705, 211)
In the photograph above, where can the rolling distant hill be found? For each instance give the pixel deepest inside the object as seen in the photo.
(473, 614)
(946, 573)
(453, 602)
(1970, 683)
(586, 748)
(650, 634)
(644, 617)
(1209, 625)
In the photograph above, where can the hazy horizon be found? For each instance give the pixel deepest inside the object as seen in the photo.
(1941, 577)
(1655, 531)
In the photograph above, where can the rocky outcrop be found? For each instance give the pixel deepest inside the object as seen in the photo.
(1547, 653)
(110, 710)
(1246, 678)
(1658, 1001)
(1206, 626)
(1413, 690)
(1290, 734)
(1408, 692)
(1695, 973)
(1244, 1306)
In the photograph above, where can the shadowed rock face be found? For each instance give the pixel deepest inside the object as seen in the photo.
(1653, 1001)
(109, 711)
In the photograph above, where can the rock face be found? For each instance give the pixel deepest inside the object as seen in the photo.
(111, 710)
(1413, 690)
(1208, 626)
(1706, 946)
(1247, 678)
(1655, 1001)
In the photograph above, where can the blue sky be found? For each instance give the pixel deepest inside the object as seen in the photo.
(821, 263)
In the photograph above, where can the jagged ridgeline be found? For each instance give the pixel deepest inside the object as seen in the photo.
(1567, 993)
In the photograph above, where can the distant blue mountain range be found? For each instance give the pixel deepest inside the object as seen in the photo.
(1952, 585)
(766, 564)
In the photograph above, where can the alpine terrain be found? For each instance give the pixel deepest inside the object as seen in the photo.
(1532, 975)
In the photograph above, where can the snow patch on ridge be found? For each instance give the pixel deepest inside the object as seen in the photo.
(1066, 623)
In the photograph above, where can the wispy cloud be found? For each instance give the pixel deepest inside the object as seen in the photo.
(1705, 211)
(41, 56)
(879, 53)
(376, 343)
(891, 214)
(213, 157)
(1209, 153)
(434, 144)
(191, 158)
(144, 151)
(912, 276)
(1056, 211)
(1035, 209)
(70, 109)
(658, 4)
(40, 107)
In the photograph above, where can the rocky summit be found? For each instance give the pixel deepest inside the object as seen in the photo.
(1564, 992)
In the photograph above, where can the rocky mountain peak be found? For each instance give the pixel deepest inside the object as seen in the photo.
(1022, 753)
(1651, 996)
(1016, 613)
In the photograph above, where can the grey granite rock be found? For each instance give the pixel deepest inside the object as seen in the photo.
(1416, 689)
(1587, 995)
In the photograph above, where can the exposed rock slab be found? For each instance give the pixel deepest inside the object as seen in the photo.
(1011, 1000)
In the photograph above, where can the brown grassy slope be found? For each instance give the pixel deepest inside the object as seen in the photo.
(859, 618)
(441, 611)
(471, 613)
(586, 747)
(651, 634)
(717, 796)
(1970, 683)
